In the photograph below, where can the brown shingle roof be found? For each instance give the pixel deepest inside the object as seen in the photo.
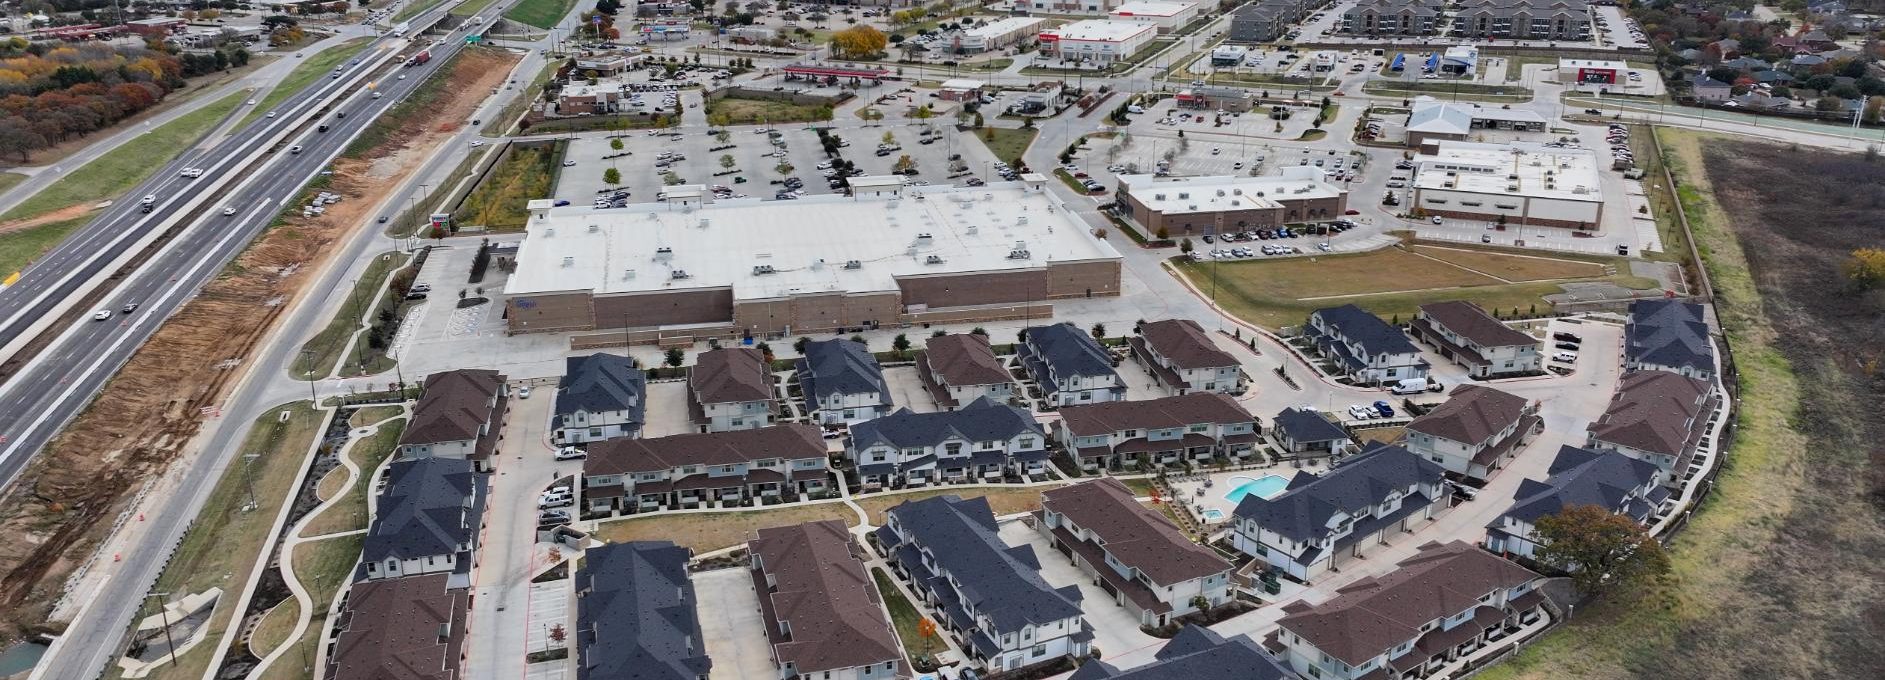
(965, 359)
(1469, 321)
(1372, 616)
(1472, 415)
(1654, 411)
(787, 442)
(409, 628)
(1137, 536)
(1198, 407)
(1185, 344)
(730, 374)
(455, 405)
(824, 596)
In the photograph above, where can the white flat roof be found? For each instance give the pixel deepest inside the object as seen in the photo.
(963, 84)
(1101, 30)
(996, 29)
(1592, 63)
(1149, 8)
(806, 243)
(1541, 171)
(1180, 195)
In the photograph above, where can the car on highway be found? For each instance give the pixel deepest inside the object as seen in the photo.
(271, 114)
(229, 211)
(101, 315)
(569, 164)
(477, 143)
(192, 173)
(128, 308)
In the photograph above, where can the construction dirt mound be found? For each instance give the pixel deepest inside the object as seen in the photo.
(65, 502)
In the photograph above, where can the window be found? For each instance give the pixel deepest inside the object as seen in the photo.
(1039, 651)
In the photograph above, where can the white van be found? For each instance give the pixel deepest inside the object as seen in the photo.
(1135, 108)
(1415, 386)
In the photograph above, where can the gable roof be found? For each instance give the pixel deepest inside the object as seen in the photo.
(980, 421)
(1582, 477)
(965, 359)
(1467, 320)
(598, 383)
(1358, 326)
(1197, 653)
(1085, 420)
(1474, 414)
(423, 510)
(1308, 426)
(1668, 333)
(1185, 344)
(825, 598)
(456, 404)
(730, 374)
(635, 614)
(786, 442)
(1069, 351)
(1373, 615)
(1136, 536)
(1001, 582)
(409, 628)
(1302, 512)
(840, 367)
(1655, 411)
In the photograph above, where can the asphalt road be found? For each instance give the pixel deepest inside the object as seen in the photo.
(38, 401)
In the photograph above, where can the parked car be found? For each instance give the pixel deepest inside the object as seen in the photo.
(1361, 412)
(523, 392)
(1384, 409)
(553, 517)
(1566, 337)
(1572, 346)
(571, 453)
(1565, 357)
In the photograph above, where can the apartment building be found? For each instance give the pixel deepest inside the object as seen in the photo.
(600, 396)
(459, 415)
(719, 469)
(842, 382)
(1183, 359)
(1524, 20)
(1669, 335)
(1463, 333)
(427, 520)
(1070, 366)
(1191, 429)
(636, 614)
(961, 368)
(985, 441)
(1660, 418)
(1196, 653)
(1362, 347)
(731, 389)
(1361, 503)
(1303, 433)
(824, 617)
(1392, 18)
(412, 628)
(1606, 479)
(1476, 432)
(1145, 561)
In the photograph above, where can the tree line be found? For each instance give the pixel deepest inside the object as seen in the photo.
(53, 93)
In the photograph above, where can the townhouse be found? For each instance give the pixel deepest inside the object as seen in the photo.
(1362, 347)
(716, 469)
(426, 521)
(1144, 560)
(411, 628)
(1524, 19)
(1169, 431)
(1302, 433)
(1267, 20)
(982, 442)
(1476, 432)
(600, 396)
(961, 368)
(1070, 366)
(1463, 333)
(1447, 601)
(731, 389)
(1606, 479)
(1183, 359)
(990, 595)
(842, 382)
(459, 415)
(1669, 335)
(1392, 17)
(1660, 418)
(824, 617)
(1196, 653)
(1367, 498)
(636, 614)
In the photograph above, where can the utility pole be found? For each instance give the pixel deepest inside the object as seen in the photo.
(163, 615)
(248, 480)
(307, 357)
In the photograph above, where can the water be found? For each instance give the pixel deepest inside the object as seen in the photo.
(1213, 514)
(1264, 487)
(20, 658)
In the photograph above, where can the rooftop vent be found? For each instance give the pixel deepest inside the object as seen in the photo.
(1018, 255)
(594, 228)
(923, 237)
(704, 222)
(853, 264)
(664, 254)
(761, 270)
(1511, 187)
(628, 275)
(933, 259)
(569, 261)
(678, 274)
(549, 231)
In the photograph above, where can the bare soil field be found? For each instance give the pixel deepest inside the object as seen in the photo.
(64, 502)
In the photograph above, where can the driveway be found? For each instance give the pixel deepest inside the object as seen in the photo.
(730, 622)
(906, 390)
(667, 410)
(1115, 630)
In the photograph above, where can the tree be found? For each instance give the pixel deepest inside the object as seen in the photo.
(978, 120)
(723, 136)
(903, 165)
(765, 351)
(859, 42)
(800, 344)
(615, 144)
(726, 161)
(1603, 551)
(859, 339)
(901, 344)
(675, 356)
(1163, 233)
(1099, 331)
(1866, 269)
(1185, 246)
(890, 138)
(612, 176)
(978, 330)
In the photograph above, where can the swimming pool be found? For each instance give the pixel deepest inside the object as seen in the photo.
(1263, 487)
(1213, 515)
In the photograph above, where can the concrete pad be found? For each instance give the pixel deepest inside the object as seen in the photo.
(906, 390)
(1115, 630)
(667, 410)
(731, 623)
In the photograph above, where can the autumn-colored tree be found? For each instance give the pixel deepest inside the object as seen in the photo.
(859, 42)
(1865, 270)
(1602, 550)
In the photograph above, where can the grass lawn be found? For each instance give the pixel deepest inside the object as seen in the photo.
(1008, 144)
(311, 67)
(741, 111)
(593, 123)
(132, 162)
(274, 628)
(8, 180)
(709, 531)
(350, 512)
(1385, 435)
(1280, 83)
(1661, 197)
(1002, 501)
(473, 7)
(222, 546)
(321, 566)
(538, 13)
(414, 8)
(325, 347)
(1141, 486)
(524, 173)
(907, 619)
(19, 248)
(1516, 267)
(1277, 293)
(373, 414)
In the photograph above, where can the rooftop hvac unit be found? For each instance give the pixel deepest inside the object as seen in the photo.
(933, 259)
(1158, 197)
(971, 229)
(1236, 203)
(664, 254)
(1446, 185)
(1237, 192)
(628, 275)
(1512, 176)
(1184, 195)
(704, 222)
(1511, 188)
(678, 274)
(763, 269)
(569, 261)
(1018, 255)
(853, 264)
(549, 231)
(1192, 206)
(923, 237)
(1220, 192)
(594, 228)
(1021, 220)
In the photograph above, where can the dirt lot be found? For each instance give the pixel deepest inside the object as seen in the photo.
(135, 429)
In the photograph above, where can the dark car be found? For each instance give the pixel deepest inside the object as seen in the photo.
(1566, 337)
(1572, 346)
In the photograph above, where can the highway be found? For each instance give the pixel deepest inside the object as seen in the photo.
(46, 393)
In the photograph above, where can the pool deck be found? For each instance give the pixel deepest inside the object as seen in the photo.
(1205, 491)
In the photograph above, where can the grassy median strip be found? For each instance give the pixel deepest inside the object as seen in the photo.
(350, 512)
(538, 13)
(908, 621)
(8, 180)
(320, 352)
(20, 247)
(124, 167)
(498, 202)
(310, 68)
(1008, 144)
(274, 628)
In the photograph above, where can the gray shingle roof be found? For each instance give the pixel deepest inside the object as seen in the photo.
(1001, 582)
(1197, 653)
(423, 510)
(1358, 326)
(980, 421)
(1068, 351)
(840, 367)
(635, 614)
(1302, 511)
(1308, 426)
(1582, 477)
(599, 383)
(1668, 333)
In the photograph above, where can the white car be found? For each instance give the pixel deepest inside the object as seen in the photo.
(271, 114)
(1566, 357)
(523, 391)
(477, 143)
(101, 315)
(229, 211)
(192, 173)
(571, 453)
(251, 102)
(1361, 412)
(569, 164)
